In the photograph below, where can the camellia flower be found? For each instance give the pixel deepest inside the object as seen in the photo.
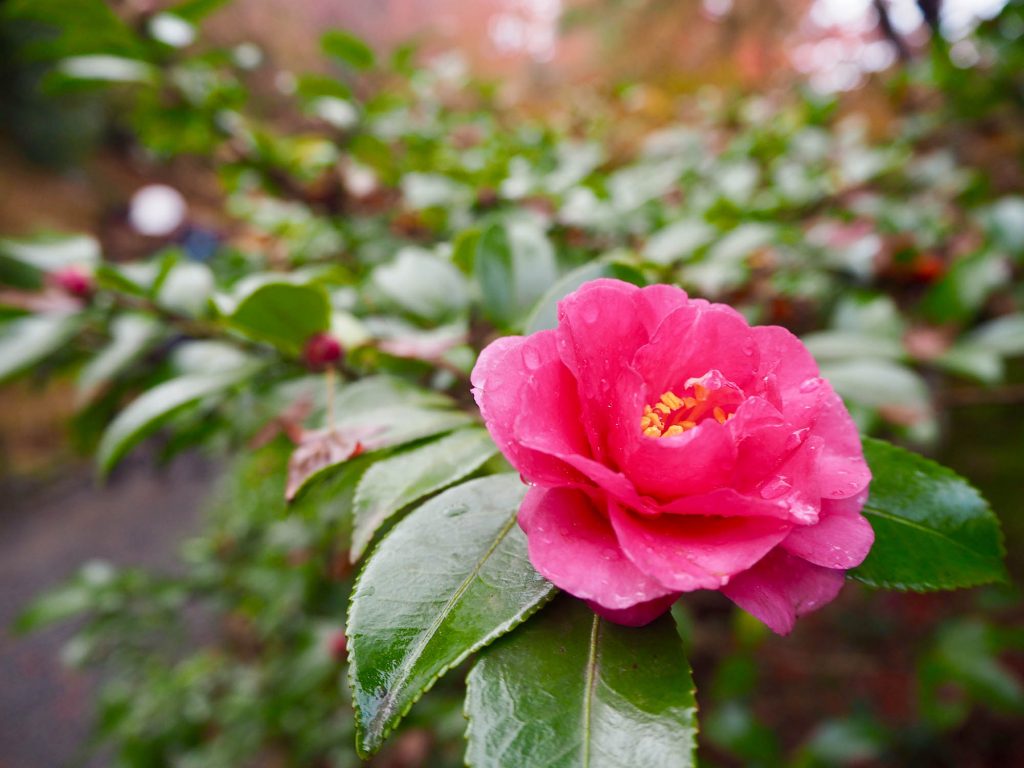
(671, 447)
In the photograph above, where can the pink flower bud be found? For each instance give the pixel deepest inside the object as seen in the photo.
(321, 351)
(74, 281)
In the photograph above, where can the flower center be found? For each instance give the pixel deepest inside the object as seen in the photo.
(673, 415)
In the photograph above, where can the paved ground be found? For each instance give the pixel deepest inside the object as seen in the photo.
(139, 518)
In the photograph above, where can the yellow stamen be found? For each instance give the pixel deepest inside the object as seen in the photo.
(673, 415)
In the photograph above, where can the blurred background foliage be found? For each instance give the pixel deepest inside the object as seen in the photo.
(442, 172)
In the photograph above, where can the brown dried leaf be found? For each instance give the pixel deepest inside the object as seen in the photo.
(317, 451)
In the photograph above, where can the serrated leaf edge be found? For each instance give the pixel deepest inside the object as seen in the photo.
(502, 629)
(356, 551)
(926, 586)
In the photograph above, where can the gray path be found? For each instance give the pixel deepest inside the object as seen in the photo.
(46, 534)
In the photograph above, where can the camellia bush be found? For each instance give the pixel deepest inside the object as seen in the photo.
(476, 424)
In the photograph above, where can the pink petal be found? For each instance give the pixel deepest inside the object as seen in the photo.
(841, 539)
(692, 463)
(796, 482)
(781, 587)
(636, 615)
(571, 544)
(784, 356)
(693, 340)
(727, 502)
(598, 332)
(499, 379)
(844, 472)
(656, 302)
(763, 441)
(688, 553)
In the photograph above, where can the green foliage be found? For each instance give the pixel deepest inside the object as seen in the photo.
(933, 530)
(570, 688)
(416, 227)
(396, 482)
(449, 579)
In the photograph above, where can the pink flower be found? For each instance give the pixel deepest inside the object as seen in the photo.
(671, 447)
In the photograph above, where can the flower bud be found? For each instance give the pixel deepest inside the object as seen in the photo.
(74, 281)
(322, 350)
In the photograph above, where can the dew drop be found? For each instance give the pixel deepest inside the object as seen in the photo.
(590, 313)
(775, 487)
(455, 511)
(531, 358)
(809, 385)
(796, 439)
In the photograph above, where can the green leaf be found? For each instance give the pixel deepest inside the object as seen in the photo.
(679, 240)
(515, 266)
(545, 314)
(47, 254)
(394, 483)
(348, 48)
(102, 68)
(965, 287)
(30, 340)
(933, 530)
(447, 580)
(283, 314)
(153, 408)
(132, 334)
(423, 284)
(572, 689)
(195, 11)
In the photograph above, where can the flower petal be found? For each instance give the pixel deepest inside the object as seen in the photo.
(636, 615)
(843, 471)
(840, 539)
(781, 587)
(499, 379)
(598, 331)
(573, 545)
(688, 553)
(692, 463)
(693, 340)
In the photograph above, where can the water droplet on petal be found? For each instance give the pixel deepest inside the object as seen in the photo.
(796, 439)
(456, 511)
(809, 385)
(775, 487)
(531, 358)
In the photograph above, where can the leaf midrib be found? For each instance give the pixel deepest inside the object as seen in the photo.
(591, 683)
(918, 526)
(385, 711)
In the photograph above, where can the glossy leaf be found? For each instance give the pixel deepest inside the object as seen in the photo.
(144, 414)
(422, 284)
(132, 334)
(933, 530)
(572, 689)
(283, 314)
(394, 483)
(515, 266)
(348, 48)
(447, 580)
(51, 253)
(545, 314)
(27, 341)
